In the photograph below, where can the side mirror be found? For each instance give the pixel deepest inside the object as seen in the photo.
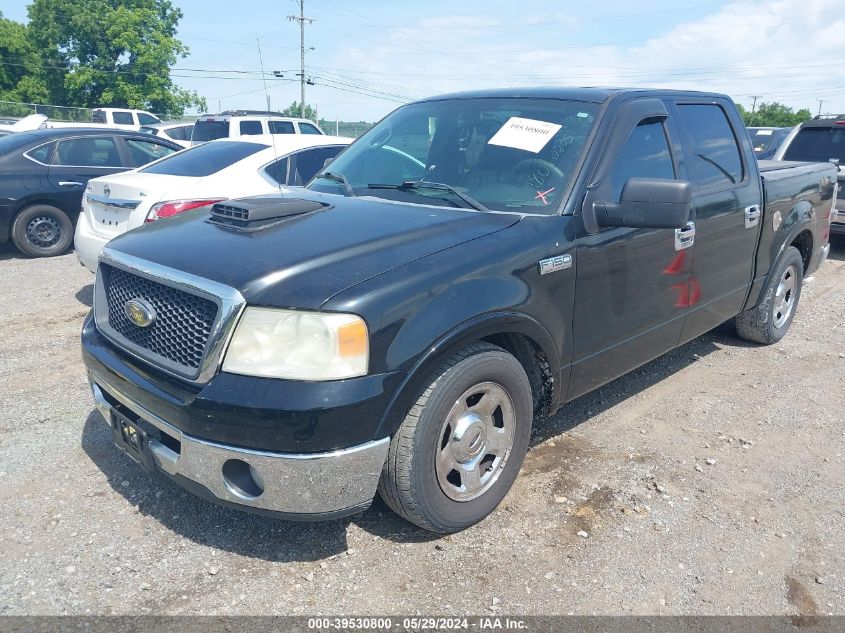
(650, 203)
(835, 163)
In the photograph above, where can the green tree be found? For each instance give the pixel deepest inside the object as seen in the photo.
(294, 111)
(20, 76)
(774, 115)
(114, 53)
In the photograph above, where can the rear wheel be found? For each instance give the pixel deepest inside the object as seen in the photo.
(42, 231)
(769, 321)
(461, 445)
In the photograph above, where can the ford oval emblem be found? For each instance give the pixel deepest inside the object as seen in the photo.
(139, 312)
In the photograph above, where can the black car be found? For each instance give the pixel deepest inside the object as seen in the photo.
(43, 174)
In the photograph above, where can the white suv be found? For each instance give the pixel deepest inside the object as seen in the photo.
(237, 123)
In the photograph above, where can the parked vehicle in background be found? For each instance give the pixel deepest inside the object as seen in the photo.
(119, 118)
(179, 133)
(820, 140)
(44, 172)
(26, 124)
(766, 140)
(195, 178)
(237, 123)
(471, 262)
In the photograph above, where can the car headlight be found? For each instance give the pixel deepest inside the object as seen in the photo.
(298, 345)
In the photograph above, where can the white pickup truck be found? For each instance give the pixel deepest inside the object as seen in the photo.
(122, 118)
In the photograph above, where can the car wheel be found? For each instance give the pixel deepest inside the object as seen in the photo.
(42, 231)
(769, 321)
(462, 443)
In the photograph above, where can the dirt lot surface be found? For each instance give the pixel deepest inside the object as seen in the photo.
(711, 481)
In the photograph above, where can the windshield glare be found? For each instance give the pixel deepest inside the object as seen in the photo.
(509, 154)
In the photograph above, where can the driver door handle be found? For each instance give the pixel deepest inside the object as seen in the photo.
(752, 216)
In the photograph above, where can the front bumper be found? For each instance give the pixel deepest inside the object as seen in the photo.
(310, 486)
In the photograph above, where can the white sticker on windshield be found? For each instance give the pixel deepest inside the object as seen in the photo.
(526, 134)
(764, 132)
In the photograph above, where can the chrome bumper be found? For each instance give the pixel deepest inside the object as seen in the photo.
(295, 484)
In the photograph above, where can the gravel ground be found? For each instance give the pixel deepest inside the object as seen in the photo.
(708, 482)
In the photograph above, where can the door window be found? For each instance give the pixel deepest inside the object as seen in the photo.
(644, 155)
(144, 152)
(307, 128)
(278, 171)
(310, 161)
(715, 157)
(281, 127)
(88, 152)
(123, 118)
(147, 119)
(249, 128)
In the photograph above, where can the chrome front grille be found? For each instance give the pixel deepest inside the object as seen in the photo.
(193, 317)
(183, 322)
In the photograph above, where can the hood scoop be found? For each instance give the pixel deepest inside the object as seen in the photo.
(250, 214)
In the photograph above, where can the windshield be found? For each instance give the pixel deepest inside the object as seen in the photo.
(209, 130)
(765, 139)
(817, 145)
(508, 154)
(204, 160)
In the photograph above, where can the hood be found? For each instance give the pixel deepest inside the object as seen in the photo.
(303, 260)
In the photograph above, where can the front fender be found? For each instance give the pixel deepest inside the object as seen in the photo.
(472, 329)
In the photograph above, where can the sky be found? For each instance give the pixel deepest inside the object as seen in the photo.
(371, 56)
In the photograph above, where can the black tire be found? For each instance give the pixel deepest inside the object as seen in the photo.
(767, 322)
(42, 231)
(410, 483)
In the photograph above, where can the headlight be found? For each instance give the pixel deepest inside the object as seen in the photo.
(298, 345)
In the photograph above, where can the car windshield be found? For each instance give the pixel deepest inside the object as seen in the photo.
(505, 154)
(817, 145)
(204, 160)
(765, 139)
(208, 130)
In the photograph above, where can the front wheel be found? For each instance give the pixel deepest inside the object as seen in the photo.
(769, 321)
(42, 231)
(462, 443)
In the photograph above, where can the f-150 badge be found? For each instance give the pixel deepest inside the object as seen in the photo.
(554, 264)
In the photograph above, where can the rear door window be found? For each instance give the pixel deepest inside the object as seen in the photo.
(91, 151)
(143, 152)
(278, 171)
(307, 128)
(209, 130)
(249, 128)
(122, 118)
(310, 161)
(644, 155)
(714, 155)
(147, 119)
(817, 145)
(204, 160)
(281, 127)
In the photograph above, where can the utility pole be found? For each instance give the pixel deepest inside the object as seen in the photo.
(753, 107)
(821, 101)
(302, 20)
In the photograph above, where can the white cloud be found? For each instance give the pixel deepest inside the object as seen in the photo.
(783, 50)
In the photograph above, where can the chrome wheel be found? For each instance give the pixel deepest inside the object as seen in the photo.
(43, 231)
(784, 301)
(475, 441)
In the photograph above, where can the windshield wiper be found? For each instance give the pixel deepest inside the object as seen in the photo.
(410, 185)
(335, 177)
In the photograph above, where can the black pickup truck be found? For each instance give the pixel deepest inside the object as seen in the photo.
(468, 265)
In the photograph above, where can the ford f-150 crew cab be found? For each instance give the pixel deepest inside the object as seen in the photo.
(467, 266)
